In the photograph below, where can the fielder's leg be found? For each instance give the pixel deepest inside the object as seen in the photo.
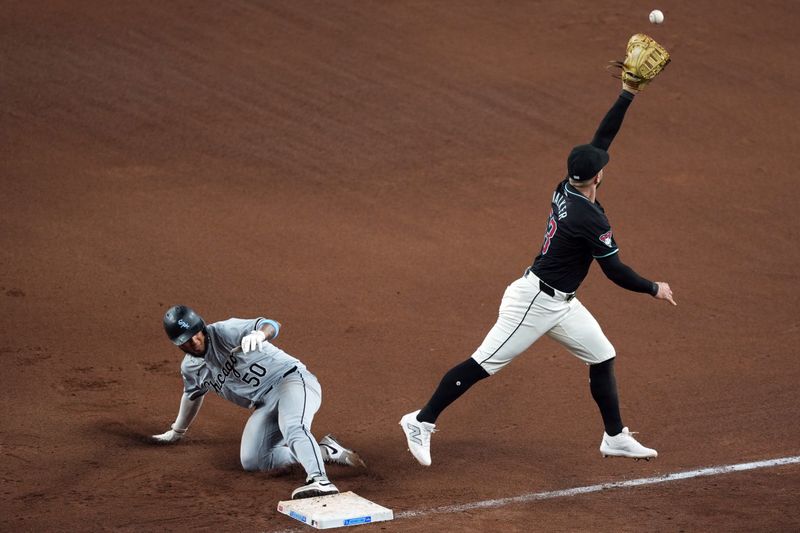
(580, 333)
(454, 383)
(419, 425)
(521, 321)
(603, 385)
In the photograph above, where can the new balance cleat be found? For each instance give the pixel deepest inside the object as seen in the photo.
(624, 445)
(418, 436)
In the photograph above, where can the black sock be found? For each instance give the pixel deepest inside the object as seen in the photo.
(603, 384)
(455, 383)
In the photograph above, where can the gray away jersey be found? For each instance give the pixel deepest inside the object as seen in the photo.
(240, 378)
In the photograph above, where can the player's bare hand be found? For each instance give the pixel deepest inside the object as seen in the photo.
(170, 437)
(664, 292)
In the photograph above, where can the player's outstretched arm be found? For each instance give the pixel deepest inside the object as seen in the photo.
(612, 122)
(624, 276)
(187, 413)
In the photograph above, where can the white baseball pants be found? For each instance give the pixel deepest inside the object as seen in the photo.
(278, 433)
(527, 313)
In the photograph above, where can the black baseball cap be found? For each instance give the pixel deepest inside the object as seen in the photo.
(585, 161)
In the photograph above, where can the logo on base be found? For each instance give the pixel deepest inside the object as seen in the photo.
(359, 520)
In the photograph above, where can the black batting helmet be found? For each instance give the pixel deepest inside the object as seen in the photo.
(181, 324)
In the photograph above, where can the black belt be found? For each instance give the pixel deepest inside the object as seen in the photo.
(294, 368)
(550, 291)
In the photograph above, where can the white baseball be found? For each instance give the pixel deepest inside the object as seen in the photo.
(656, 16)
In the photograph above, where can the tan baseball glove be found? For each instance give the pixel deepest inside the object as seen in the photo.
(644, 60)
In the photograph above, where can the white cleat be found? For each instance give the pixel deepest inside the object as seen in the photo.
(333, 452)
(624, 445)
(418, 436)
(319, 486)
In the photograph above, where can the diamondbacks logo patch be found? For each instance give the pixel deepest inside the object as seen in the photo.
(605, 238)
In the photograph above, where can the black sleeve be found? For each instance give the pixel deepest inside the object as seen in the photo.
(625, 277)
(612, 121)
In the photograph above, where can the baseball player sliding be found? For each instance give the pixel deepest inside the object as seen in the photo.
(235, 359)
(543, 302)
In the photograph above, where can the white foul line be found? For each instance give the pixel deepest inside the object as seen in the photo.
(535, 496)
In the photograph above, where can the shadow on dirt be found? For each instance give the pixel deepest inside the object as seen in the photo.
(122, 434)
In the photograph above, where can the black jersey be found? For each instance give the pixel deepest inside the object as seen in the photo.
(577, 232)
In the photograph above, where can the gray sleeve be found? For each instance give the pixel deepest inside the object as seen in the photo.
(194, 372)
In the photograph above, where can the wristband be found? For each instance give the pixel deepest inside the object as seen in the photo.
(274, 325)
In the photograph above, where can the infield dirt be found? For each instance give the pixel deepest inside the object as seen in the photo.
(373, 175)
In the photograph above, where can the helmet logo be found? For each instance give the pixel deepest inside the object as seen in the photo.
(182, 323)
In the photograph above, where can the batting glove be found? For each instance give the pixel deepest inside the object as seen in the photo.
(253, 341)
(169, 437)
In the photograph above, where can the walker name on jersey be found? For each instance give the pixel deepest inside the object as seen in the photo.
(255, 371)
(561, 204)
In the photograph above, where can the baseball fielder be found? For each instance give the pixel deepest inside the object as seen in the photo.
(543, 302)
(234, 359)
